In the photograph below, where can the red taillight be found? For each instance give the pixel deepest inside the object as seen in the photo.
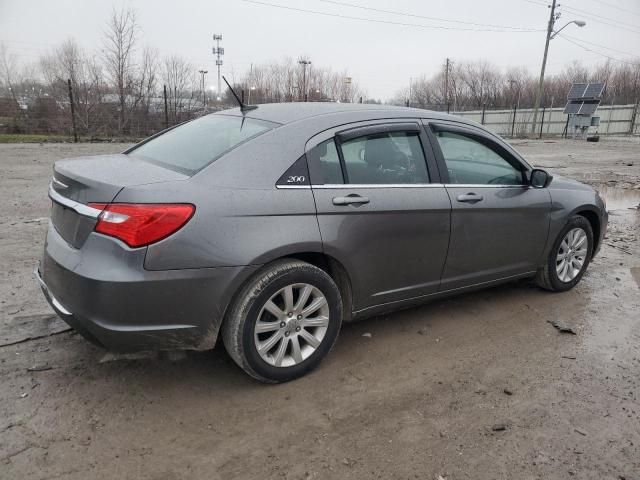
(140, 224)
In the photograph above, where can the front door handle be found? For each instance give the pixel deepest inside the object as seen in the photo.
(470, 198)
(351, 199)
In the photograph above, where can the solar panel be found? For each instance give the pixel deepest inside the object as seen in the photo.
(594, 90)
(581, 91)
(589, 108)
(572, 107)
(577, 90)
(581, 107)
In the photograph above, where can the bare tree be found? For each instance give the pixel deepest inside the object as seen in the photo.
(179, 77)
(284, 82)
(8, 71)
(474, 85)
(119, 49)
(10, 79)
(70, 62)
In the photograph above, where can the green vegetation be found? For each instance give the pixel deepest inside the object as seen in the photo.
(32, 138)
(43, 138)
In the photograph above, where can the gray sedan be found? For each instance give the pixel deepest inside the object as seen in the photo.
(270, 227)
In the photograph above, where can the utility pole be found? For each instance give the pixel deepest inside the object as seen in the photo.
(73, 112)
(166, 110)
(446, 84)
(536, 105)
(251, 86)
(347, 82)
(218, 51)
(204, 98)
(304, 64)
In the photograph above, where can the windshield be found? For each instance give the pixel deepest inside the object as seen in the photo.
(195, 144)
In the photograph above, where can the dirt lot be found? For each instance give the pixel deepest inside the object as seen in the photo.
(476, 387)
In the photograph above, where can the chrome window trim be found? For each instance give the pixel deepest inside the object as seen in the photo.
(352, 186)
(293, 187)
(78, 207)
(483, 185)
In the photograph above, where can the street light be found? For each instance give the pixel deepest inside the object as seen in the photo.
(579, 23)
(304, 64)
(204, 96)
(551, 33)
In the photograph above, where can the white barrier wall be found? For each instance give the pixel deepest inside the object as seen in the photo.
(614, 119)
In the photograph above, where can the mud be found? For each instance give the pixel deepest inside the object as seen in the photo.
(424, 396)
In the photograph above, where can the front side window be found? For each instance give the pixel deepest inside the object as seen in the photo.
(192, 146)
(385, 158)
(470, 162)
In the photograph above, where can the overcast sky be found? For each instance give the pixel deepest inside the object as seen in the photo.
(380, 56)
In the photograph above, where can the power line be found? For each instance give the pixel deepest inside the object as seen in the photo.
(537, 2)
(388, 22)
(415, 15)
(601, 46)
(600, 19)
(616, 7)
(592, 17)
(588, 49)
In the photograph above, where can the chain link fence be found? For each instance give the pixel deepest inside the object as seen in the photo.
(102, 119)
(614, 120)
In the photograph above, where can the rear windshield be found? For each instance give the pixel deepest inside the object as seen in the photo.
(192, 146)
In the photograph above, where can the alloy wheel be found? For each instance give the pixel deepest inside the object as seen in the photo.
(571, 255)
(291, 325)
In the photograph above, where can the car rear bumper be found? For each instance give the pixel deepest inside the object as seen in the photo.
(104, 292)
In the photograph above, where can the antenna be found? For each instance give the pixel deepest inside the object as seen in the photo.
(243, 107)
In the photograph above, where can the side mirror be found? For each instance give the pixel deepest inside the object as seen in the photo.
(540, 178)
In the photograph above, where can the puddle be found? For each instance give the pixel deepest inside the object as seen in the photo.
(619, 198)
(635, 273)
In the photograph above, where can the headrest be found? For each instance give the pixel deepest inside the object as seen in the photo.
(380, 152)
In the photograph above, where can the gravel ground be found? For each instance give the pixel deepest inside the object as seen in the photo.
(479, 386)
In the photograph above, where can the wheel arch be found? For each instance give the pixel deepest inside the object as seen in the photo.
(333, 267)
(336, 271)
(594, 220)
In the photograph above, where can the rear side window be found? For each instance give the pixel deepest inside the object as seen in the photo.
(327, 163)
(385, 158)
(192, 146)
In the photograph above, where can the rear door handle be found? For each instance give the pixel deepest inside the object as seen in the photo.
(470, 197)
(352, 199)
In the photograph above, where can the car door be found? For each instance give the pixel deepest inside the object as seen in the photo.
(499, 224)
(382, 211)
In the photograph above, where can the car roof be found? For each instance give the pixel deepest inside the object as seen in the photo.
(284, 113)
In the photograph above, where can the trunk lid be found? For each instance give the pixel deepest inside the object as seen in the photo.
(97, 179)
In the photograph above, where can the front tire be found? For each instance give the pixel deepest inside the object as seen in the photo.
(569, 257)
(284, 321)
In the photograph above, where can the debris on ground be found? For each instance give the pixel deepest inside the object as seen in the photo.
(367, 334)
(31, 327)
(39, 368)
(569, 357)
(562, 327)
(115, 356)
(507, 391)
(580, 432)
(499, 427)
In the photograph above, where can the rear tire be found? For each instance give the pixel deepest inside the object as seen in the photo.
(569, 247)
(283, 321)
